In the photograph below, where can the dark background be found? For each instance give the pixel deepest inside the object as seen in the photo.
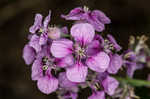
(129, 17)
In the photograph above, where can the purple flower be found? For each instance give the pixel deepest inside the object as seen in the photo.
(109, 45)
(28, 54)
(115, 64)
(110, 84)
(112, 41)
(37, 41)
(130, 62)
(96, 18)
(41, 71)
(97, 95)
(83, 34)
(38, 23)
(131, 68)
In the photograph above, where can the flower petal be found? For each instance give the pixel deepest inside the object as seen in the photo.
(47, 20)
(99, 62)
(113, 41)
(97, 95)
(93, 48)
(37, 23)
(36, 69)
(99, 26)
(28, 54)
(100, 39)
(43, 39)
(101, 16)
(61, 48)
(115, 64)
(65, 83)
(77, 73)
(34, 42)
(83, 33)
(131, 67)
(66, 61)
(47, 84)
(102, 76)
(110, 84)
(75, 14)
(44, 52)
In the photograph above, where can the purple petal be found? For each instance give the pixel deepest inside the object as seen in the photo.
(65, 83)
(113, 41)
(43, 39)
(74, 95)
(100, 39)
(93, 48)
(37, 23)
(47, 84)
(129, 55)
(101, 16)
(102, 76)
(61, 48)
(99, 62)
(66, 61)
(64, 30)
(131, 67)
(47, 20)
(70, 95)
(34, 42)
(83, 33)
(36, 69)
(77, 73)
(28, 54)
(75, 14)
(44, 52)
(115, 64)
(99, 26)
(97, 95)
(110, 84)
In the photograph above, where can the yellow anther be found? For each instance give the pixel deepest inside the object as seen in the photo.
(45, 67)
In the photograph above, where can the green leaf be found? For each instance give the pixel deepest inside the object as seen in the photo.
(133, 82)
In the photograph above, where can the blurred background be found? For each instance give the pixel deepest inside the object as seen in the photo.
(129, 17)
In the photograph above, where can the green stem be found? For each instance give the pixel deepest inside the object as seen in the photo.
(134, 82)
(65, 35)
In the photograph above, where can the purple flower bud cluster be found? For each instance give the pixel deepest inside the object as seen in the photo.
(137, 55)
(82, 59)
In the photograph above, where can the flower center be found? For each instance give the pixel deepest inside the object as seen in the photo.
(47, 62)
(85, 8)
(80, 52)
(45, 67)
(108, 45)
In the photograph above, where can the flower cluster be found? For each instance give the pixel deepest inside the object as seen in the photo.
(82, 59)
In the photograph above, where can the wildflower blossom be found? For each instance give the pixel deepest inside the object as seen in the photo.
(96, 18)
(83, 34)
(61, 64)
